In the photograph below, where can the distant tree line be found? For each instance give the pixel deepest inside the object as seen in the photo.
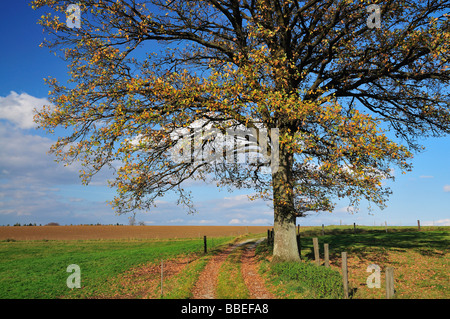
(57, 224)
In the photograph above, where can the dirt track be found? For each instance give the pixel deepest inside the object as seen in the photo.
(255, 283)
(206, 284)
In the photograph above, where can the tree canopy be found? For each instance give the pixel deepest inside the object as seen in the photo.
(329, 85)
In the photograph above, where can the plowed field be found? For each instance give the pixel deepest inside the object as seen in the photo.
(123, 232)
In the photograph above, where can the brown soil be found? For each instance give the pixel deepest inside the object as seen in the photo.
(255, 283)
(84, 232)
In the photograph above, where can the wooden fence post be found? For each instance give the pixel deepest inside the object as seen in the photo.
(204, 244)
(162, 276)
(270, 235)
(298, 229)
(354, 228)
(323, 230)
(389, 282)
(385, 225)
(299, 246)
(418, 225)
(327, 255)
(316, 251)
(345, 274)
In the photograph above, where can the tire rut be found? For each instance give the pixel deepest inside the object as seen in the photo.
(207, 281)
(254, 282)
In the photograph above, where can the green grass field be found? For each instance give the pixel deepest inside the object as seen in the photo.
(420, 260)
(37, 269)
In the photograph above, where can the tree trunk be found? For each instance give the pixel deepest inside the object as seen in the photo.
(285, 242)
(285, 246)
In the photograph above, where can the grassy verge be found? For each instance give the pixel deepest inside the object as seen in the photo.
(420, 260)
(230, 284)
(302, 280)
(37, 269)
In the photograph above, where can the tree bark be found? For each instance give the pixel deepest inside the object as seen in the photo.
(285, 242)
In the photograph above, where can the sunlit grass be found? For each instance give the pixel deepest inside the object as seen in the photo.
(420, 260)
(37, 269)
(230, 283)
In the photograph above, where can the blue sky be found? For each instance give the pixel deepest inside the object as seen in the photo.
(35, 189)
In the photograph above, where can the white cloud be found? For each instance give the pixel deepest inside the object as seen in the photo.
(426, 176)
(440, 222)
(346, 209)
(447, 188)
(33, 185)
(176, 220)
(267, 213)
(206, 221)
(160, 202)
(245, 221)
(24, 158)
(238, 202)
(262, 222)
(18, 109)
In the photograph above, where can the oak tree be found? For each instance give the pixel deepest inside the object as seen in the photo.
(333, 88)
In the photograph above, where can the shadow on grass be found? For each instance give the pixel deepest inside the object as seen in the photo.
(427, 243)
